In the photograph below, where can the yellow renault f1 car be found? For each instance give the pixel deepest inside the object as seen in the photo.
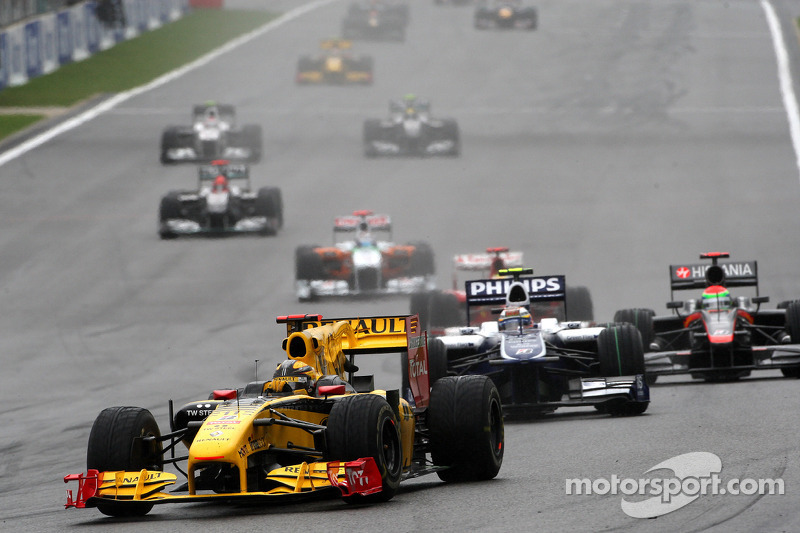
(335, 65)
(314, 428)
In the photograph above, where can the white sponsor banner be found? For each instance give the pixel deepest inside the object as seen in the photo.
(41, 44)
(80, 45)
(49, 47)
(92, 27)
(15, 42)
(33, 48)
(155, 9)
(3, 60)
(135, 17)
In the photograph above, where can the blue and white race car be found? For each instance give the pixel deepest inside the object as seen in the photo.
(541, 365)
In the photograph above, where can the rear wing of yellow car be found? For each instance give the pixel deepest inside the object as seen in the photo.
(325, 343)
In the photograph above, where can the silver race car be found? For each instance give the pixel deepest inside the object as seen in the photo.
(223, 203)
(411, 131)
(212, 135)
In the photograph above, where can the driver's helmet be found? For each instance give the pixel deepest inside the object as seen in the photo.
(410, 103)
(514, 318)
(716, 298)
(294, 376)
(364, 239)
(220, 184)
(211, 114)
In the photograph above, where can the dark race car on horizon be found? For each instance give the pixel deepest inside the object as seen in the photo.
(505, 14)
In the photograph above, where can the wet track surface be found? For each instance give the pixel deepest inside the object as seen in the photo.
(620, 137)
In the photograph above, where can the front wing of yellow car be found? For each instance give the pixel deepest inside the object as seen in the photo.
(351, 477)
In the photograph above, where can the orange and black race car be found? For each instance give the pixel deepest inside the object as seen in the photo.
(336, 65)
(314, 428)
(363, 260)
(718, 337)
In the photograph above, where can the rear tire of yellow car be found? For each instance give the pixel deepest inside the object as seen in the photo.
(364, 425)
(467, 434)
(112, 448)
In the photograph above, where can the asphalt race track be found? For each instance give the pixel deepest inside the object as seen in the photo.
(620, 137)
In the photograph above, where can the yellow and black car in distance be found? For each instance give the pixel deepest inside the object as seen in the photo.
(314, 428)
(335, 65)
(505, 14)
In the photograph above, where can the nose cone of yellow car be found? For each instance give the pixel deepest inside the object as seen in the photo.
(505, 13)
(221, 435)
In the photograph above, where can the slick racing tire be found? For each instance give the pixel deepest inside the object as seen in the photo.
(533, 19)
(372, 132)
(364, 425)
(642, 319)
(620, 353)
(308, 263)
(450, 132)
(252, 138)
(793, 329)
(170, 139)
(437, 360)
(579, 304)
(437, 309)
(437, 366)
(168, 209)
(420, 304)
(115, 445)
(446, 311)
(269, 204)
(465, 420)
(791, 372)
(304, 64)
(793, 320)
(422, 261)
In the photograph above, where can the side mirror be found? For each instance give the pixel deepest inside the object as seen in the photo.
(760, 300)
(674, 305)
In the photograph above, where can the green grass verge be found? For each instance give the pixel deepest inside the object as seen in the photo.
(137, 61)
(13, 123)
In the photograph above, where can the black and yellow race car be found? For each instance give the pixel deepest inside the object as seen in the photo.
(505, 14)
(314, 428)
(336, 65)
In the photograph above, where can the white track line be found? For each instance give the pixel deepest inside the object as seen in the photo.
(119, 98)
(784, 77)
